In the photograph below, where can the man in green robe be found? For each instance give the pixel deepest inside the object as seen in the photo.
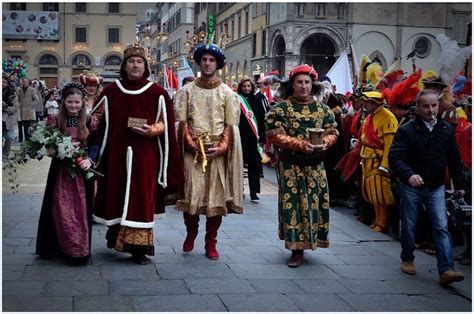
(303, 212)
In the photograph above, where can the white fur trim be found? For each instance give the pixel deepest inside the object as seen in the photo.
(136, 224)
(106, 222)
(163, 172)
(133, 92)
(129, 180)
(124, 221)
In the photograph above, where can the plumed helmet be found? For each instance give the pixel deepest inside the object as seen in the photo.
(213, 50)
(303, 69)
(403, 93)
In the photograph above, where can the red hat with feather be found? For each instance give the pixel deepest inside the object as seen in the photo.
(403, 93)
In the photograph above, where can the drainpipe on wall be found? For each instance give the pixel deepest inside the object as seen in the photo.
(64, 43)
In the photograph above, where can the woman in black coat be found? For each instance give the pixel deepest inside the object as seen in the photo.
(250, 137)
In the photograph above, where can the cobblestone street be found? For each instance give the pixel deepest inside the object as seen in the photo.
(359, 272)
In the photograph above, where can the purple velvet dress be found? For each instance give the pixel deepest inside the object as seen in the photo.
(64, 221)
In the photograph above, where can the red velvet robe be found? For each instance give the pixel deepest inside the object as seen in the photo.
(112, 190)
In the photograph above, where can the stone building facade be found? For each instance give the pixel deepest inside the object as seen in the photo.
(91, 36)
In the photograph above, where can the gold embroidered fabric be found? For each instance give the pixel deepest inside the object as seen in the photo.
(218, 190)
(133, 236)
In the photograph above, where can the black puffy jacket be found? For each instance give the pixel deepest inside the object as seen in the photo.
(416, 150)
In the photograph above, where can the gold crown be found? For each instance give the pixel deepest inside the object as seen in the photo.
(134, 50)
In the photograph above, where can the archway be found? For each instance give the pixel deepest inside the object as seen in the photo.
(318, 50)
(279, 55)
(48, 69)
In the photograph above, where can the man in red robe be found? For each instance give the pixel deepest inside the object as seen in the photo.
(138, 156)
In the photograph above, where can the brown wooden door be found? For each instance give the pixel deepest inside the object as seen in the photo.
(50, 81)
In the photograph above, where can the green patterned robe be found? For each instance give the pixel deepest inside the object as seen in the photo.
(303, 206)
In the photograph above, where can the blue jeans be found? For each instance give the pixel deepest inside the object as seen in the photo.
(8, 136)
(411, 201)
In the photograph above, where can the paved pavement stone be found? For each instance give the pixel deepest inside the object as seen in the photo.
(12, 272)
(246, 258)
(369, 260)
(36, 304)
(214, 286)
(61, 273)
(26, 226)
(386, 272)
(115, 303)
(26, 233)
(322, 286)
(23, 288)
(258, 303)
(256, 249)
(16, 241)
(28, 250)
(358, 249)
(129, 270)
(310, 258)
(179, 303)
(144, 287)
(275, 286)
(77, 288)
(256, 271)
(320, 303)
(194, 271)
(404, 303)
(198, 257)
(359, 272)
(8, 249)
(17, 259)
(365, 286)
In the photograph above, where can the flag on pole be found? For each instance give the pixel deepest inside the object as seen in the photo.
(354, 59)
(166, 84)
(172, 80)
(165, 77)
(340, 74)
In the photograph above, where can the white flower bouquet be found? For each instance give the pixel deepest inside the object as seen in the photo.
(46, 141)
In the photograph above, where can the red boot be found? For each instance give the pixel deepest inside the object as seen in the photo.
(192, 225)
(212, 225)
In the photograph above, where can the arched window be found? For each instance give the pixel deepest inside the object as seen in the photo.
(113, 60)
(81, 60)
(48, 59)
(80, 63)
(48, 69)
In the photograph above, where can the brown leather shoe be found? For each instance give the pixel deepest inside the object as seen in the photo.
(296, 258)
(450, 276)
(380, 229)
(408, 268)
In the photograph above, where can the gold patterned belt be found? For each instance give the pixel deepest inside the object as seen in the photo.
(205, 141)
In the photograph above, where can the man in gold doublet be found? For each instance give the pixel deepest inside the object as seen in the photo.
(208, 112)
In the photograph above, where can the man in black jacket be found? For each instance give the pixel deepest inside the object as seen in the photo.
(419, 154)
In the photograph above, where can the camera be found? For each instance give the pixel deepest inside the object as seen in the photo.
(458, 211)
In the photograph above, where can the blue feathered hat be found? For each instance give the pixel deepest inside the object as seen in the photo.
(213, 50)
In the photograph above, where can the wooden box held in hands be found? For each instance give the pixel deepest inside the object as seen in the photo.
(136, 122)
